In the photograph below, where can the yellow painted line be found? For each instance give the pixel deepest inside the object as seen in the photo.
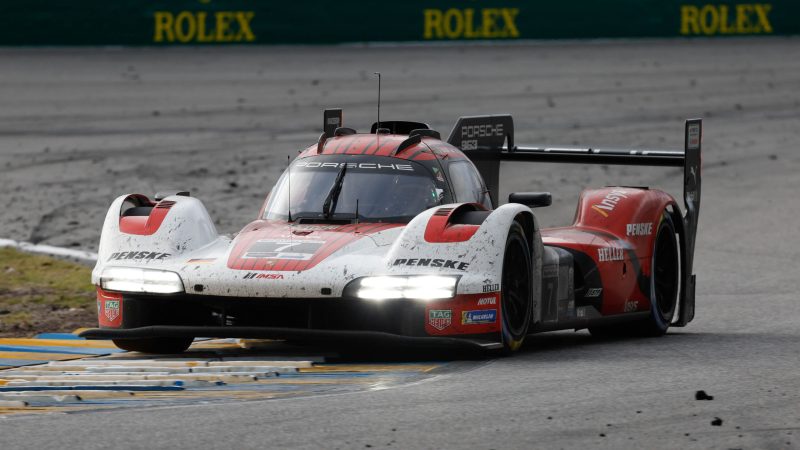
(80, 330)
(36, 356)
(201, 345)
(57, 343)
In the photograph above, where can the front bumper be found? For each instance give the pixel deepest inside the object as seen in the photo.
(340, 320)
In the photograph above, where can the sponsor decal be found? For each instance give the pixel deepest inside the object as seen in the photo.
(440, 318)
(491, 287)
(469, 23)
(580, 312)
(300, 250)
(487, 301)
(201, 26)
(262, 276)
(351, 165)
(694, 136)
(744, 18)
(605, 254)
(111, 309)
(138, 255)
(469, 133)
(593, 292)
(610, 201)
(426, 262)
(631, 305)
(692, 184)
(478, 317)
(639, 229)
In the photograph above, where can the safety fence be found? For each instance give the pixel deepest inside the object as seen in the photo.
(222, 22)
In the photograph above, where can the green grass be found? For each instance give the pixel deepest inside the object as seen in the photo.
(32, 285)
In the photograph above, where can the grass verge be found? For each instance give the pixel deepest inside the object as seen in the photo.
(43, 294)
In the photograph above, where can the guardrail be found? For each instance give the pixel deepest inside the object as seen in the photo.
(215, 22)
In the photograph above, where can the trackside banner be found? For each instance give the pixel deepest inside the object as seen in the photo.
(225, 22)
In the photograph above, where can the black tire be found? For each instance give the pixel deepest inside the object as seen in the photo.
(664, 280)
(664, 286)
(160, 346)
(516, 290)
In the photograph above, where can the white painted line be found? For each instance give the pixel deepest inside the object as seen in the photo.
(29, 397)
(78, 255)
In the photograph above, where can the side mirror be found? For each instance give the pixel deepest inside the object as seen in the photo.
(531, 199)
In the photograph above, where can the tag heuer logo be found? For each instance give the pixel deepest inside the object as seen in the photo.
(111, 309)
(440, 318)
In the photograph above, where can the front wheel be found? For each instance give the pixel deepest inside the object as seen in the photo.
(516, 290)
(159, 346)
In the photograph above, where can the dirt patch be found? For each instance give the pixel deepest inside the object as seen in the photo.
(41, 294)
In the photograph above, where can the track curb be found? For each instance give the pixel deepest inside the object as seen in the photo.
(80, 256)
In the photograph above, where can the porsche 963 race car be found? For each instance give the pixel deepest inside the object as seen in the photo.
(397, 234)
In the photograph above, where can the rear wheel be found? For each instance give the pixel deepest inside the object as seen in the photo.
(664, 286)
(664, 280)
(160, 345)
(516, 290)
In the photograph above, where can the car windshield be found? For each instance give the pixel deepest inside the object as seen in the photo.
(384, 189)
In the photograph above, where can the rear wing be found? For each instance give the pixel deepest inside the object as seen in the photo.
(488, 140)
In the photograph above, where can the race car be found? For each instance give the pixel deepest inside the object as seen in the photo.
(398, 236)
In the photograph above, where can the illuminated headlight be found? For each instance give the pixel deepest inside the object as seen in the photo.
(130, 279)
(421, 287)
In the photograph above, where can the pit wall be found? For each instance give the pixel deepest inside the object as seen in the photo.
(225, 22)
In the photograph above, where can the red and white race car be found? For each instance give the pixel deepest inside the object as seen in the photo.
(395, 235)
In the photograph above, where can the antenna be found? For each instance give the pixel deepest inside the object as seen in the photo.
(289, 179)
(377, 129)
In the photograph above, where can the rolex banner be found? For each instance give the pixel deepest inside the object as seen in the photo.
(226, 22)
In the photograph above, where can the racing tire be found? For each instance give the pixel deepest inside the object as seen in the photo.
(159, 345)
(664, 287)
(516, 292)
(664, 280)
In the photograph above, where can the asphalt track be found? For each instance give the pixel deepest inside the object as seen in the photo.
(78, 127)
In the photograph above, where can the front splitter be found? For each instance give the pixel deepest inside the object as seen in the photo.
(363, 338)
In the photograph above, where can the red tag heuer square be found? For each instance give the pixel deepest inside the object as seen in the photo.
(440, 318)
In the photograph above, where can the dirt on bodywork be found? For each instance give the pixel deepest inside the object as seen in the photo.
(41, 294)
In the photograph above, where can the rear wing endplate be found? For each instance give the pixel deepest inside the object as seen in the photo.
(488, 140)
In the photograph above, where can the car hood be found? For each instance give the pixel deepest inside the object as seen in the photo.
(274, 259)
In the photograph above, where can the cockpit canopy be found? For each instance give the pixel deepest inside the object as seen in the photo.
(331, 188)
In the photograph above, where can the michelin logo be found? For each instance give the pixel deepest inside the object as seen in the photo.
(478, 317)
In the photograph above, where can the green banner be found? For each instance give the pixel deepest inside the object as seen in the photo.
(221, 22)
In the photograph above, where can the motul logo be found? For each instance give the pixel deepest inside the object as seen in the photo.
(610, 202)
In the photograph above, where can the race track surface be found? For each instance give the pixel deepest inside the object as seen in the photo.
(79, 127)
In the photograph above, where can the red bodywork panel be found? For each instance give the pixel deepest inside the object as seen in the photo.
(146, 225)
(109, 308)
(272, 245)
(440, 229)
(465, 314)
(385, 145)
(616, 228)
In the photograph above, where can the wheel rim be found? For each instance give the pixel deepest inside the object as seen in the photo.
(665, 272)
(515, 284)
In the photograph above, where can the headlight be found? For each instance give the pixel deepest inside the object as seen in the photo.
(421, 287)
(151, 281)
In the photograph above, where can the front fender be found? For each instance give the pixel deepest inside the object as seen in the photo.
(184, 228)
(477, 259)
